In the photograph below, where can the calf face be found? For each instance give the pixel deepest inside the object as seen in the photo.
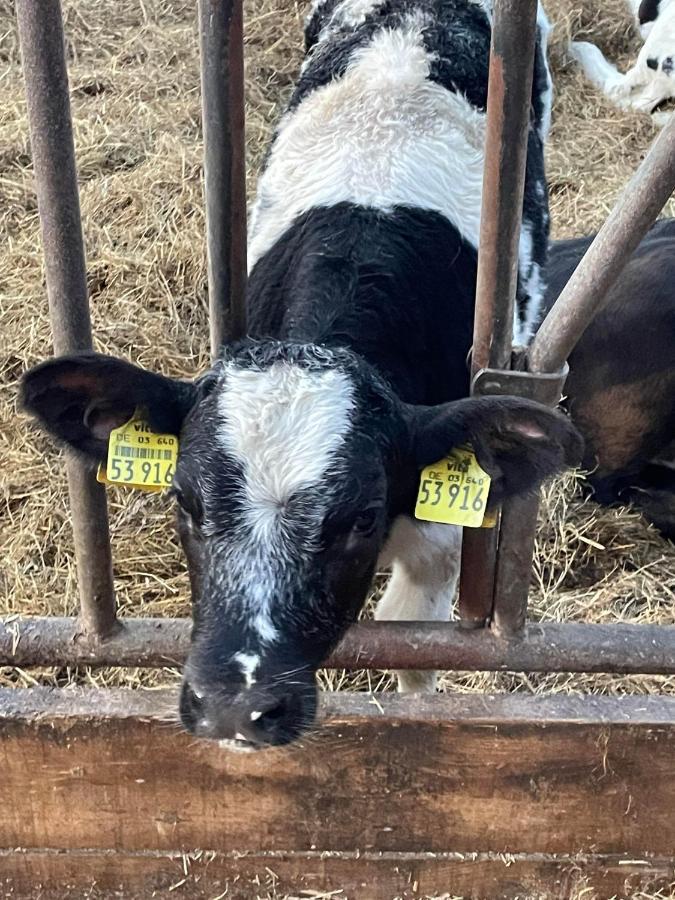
(294, 461)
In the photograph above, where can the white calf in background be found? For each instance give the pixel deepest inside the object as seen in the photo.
(651, 81)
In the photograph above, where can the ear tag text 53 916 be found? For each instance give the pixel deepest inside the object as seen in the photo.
(455, 491)
(139, 457)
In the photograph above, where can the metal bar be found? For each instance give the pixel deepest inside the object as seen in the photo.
(508, 109)
(584, 295)
(547, 647)
(222, 78)
(519, 515)
(477, 576)
(51, 136)
(514, 565)
(508, 112)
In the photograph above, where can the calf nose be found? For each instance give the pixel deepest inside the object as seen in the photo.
(248, 719)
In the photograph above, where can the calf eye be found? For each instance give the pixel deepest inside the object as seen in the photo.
(365, 522)
(189, 510)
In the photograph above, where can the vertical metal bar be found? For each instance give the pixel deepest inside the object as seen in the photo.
(477, 576)
(222, 77)
(508, 110)
(583, 296)
(508, 114)
(514, 564)
(51, 136)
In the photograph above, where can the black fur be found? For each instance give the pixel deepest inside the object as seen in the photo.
(458, 34)
(648, 11)
(398, 288)
(628, 347)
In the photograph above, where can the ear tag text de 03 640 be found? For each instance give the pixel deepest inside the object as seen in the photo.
(454, 491)
(140, 458)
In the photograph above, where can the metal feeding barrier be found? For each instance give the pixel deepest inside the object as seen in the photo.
(492, 632)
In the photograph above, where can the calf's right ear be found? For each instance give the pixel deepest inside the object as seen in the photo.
(80, 399)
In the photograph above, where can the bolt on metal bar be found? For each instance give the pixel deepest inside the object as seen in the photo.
(584, 295)
(542, 647)
(508, 110)
(222, 79)
(51, 136)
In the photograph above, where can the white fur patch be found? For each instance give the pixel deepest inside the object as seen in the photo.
(425, 559)
(354, 12)
(547, 97)
(382, 135)
(284, 425)
(248, 663)
(530, 274)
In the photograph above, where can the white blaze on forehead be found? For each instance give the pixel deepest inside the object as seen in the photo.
(284, 425)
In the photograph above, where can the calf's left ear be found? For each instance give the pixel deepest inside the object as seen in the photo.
(519, 443)
(80, 399)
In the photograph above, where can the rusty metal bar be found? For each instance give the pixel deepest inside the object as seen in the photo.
(519, 515)
(508, 110)
(477, 576)
(584, 295)
(514, 565)
(222, 78)
(51, 135)
(548, 647)
(508, 114)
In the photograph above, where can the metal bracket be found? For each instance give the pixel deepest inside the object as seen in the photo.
(545, 388)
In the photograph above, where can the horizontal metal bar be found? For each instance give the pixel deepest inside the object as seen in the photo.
(546, 647)
(584, 294)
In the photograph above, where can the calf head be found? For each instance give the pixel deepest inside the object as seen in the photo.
(294, 461)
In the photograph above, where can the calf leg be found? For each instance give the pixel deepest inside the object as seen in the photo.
(425, 560)
(602, 73)
(641, 88)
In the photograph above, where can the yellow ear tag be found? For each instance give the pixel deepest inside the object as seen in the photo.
(140, 458)
(455, 491)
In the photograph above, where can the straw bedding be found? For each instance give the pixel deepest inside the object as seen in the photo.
(135, 96)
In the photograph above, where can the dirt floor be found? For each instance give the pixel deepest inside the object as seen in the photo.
(135, 96)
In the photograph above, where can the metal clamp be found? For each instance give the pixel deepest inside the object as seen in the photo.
(545, 388)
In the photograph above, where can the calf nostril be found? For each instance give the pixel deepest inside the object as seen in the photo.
(267, 719)
(193, 700)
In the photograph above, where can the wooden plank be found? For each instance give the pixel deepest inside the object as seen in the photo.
(52, 875)
(466, 773)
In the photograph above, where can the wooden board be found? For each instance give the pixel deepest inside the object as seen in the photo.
(52, 875)
(564, 784)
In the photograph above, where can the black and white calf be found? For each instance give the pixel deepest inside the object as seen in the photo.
(651, 81)
(301, 449)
